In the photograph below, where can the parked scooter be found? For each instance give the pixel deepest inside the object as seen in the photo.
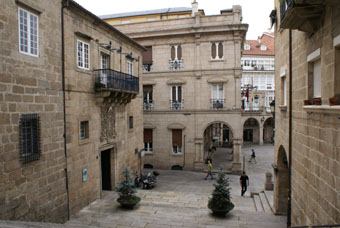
(147, 182)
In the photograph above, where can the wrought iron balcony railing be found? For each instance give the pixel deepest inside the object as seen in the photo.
(176, 64)
(148, 105)
(217, 103)
(176, 105)
(147, 67)
(118, 81)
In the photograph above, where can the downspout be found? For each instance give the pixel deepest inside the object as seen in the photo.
(289, 222)
(184, 153)
(64, 99)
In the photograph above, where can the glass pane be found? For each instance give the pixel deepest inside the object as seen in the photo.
(213, 51)
(179, 52)
(220, 50)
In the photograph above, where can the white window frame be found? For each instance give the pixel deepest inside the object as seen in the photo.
(129, 67)
(263, 47)
(284, 90)
(177, 149)
(176, 52)
(313, 59)
(176, 93)
(247, 47)
(216, 45)
(148, 147)
(217, 96)
(81, 63)
(29, 34)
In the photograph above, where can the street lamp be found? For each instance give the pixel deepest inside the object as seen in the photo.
(272, 109)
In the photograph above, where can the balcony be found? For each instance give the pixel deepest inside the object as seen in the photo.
(217, 103)
(176, 105)
(118, 86)
(148, 105)
(303, 15)
(253, 108)
(176, 64)
(147, 68)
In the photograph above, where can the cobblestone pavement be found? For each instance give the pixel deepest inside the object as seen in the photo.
(180, 200)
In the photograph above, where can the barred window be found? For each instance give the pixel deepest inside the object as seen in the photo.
(29, 127)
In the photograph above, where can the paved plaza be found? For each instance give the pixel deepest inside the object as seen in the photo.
(180, 200)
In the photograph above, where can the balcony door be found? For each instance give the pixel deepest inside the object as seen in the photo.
(147, 97)
(217, 96)
(104, 65)
(176, 97)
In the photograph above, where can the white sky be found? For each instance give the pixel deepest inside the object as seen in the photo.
(255, 12)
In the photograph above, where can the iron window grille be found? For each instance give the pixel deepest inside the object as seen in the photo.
(29, 127)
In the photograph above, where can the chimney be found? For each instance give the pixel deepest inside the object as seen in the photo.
(194, 6)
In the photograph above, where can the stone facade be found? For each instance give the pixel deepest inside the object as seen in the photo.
(31, 83)
(199, 73)
(315, 132)
(103, 118)
(106, 111)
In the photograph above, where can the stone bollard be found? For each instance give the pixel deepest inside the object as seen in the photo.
(269, 185)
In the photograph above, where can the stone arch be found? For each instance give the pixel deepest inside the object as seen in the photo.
(251, 130)
(268, 130)
(218, 139)
(281, 186)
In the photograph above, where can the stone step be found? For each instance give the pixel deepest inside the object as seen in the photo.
(265, 203)
(24, 224)
(270, 198)
(258, 203)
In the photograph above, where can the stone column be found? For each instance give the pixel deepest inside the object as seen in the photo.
(261, 133)
(199, 162)
(237, 156)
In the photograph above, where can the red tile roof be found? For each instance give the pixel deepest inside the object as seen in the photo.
(255, 45)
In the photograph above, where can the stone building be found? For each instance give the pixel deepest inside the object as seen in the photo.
(32, 159)
(257, 84)
(104, 115)
(87, 90)
(191, 82)
(309, 172)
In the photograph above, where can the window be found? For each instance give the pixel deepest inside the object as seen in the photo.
(83, 54)
(147, 97)
(147, 59)
(105, 59)
(148, 140)
(176, 97)
(130, 122)
(28, 32)
(283, 91)
(217, 51)
(177, 141)
(84, 130)
(29, 137)
(316, 74)
(217, 96)
(247, 47)
(246, 62)
(129, 67)
(176, 52)
(263, 47)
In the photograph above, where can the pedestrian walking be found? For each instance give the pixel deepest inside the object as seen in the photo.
(209, 171)
(252, 156)
(244, 182)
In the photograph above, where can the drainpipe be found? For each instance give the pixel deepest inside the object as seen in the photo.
(64, 5)
(289, 222)
(184, 152)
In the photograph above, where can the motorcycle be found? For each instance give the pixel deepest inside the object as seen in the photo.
(147, 182)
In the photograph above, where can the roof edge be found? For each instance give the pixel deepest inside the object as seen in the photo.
(78, 6)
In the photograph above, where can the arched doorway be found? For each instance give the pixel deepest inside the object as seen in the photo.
(268, 133)
(251, 131)
(218, 145)
(281, 185)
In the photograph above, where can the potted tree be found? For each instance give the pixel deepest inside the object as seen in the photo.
(127, 190)
(220, 203)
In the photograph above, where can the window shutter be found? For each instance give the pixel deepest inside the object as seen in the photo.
(179, 52)
(220, 50)
(172, 52)
(174, 93)
(213, 51)
(179, 91)
(177, 137)
(147, 56)
(147, 135)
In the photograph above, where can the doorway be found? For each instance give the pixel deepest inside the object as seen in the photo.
(106, 169)
(248, 135)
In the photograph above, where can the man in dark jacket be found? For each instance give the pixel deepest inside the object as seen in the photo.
(244, 182)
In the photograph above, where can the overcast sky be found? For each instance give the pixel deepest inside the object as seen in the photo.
(255, 12)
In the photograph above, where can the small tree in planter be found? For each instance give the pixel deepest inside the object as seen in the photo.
(127, 190)
(220, 202)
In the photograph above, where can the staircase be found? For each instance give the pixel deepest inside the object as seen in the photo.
(263, 201)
